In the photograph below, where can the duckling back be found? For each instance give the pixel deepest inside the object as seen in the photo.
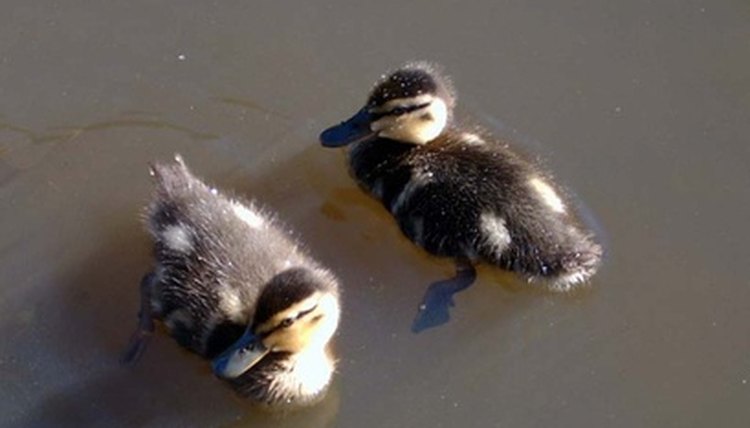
(214, 254)
(478, 201)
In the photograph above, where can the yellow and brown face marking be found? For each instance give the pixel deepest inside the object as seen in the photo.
(400, 106)
(413, 105)
(302, 325)
(286, 317)
(416, 120)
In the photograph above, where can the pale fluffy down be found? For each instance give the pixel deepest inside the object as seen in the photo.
(418, 127)
(494, 232)
(247, 215)
(547, 194)
(309, 376)
(566, 282)
(177, 238)
(231, 304)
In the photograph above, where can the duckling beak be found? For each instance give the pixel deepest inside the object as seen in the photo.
(240, 357)
(353, 130)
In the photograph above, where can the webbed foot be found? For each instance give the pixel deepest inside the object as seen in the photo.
(435, 307)
(142, 334)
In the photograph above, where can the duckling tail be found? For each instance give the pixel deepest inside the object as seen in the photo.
(173, 175)
(576, 268)
(160, 171)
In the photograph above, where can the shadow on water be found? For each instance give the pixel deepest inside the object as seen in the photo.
(438, 299)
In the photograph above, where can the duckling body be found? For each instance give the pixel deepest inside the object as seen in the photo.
(459, 194)
(230, 281)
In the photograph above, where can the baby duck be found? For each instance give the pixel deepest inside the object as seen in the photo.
(232, 285)
(457, 193)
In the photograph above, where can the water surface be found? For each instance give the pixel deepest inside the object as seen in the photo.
(642, 109)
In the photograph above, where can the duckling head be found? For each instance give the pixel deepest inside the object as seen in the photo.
(413, 105)
(283, 353)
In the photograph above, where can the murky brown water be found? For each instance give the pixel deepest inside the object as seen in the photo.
(643, 108)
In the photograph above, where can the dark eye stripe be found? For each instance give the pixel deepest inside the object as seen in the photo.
(408, 109)
(303, 313)
(398, 111)
(281, 324)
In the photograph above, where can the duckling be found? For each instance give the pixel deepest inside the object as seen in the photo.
(232, 285)
(457, 192)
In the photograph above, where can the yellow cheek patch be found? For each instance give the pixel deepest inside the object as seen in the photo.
(312, 331)
(413, 127)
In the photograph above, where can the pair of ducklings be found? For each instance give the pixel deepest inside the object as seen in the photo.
(233, 286)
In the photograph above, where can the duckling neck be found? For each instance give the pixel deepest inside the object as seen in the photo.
(380, 166)
(285, 378)
(305, 376)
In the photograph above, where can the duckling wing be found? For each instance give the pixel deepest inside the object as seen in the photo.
(214, 254)
(440, 205)
(485, 203)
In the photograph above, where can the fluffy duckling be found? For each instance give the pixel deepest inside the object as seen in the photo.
(231, 285)
(457, 193)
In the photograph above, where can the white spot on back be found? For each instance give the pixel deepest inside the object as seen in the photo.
(231, 305)
(494, 232)
(547, 194)
(177, 237)
(250, 217)
(472, 139)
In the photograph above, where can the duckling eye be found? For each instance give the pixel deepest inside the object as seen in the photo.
(398, 111)
(286, 323)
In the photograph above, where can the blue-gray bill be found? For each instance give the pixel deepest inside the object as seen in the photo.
(247, 351)
(353, 130)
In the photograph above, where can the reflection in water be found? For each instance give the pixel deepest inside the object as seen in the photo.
(34, 137)
(156, 124)
(20, 154)
(66, 134)
(667, 174)
(24, 131)
(253, 106)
